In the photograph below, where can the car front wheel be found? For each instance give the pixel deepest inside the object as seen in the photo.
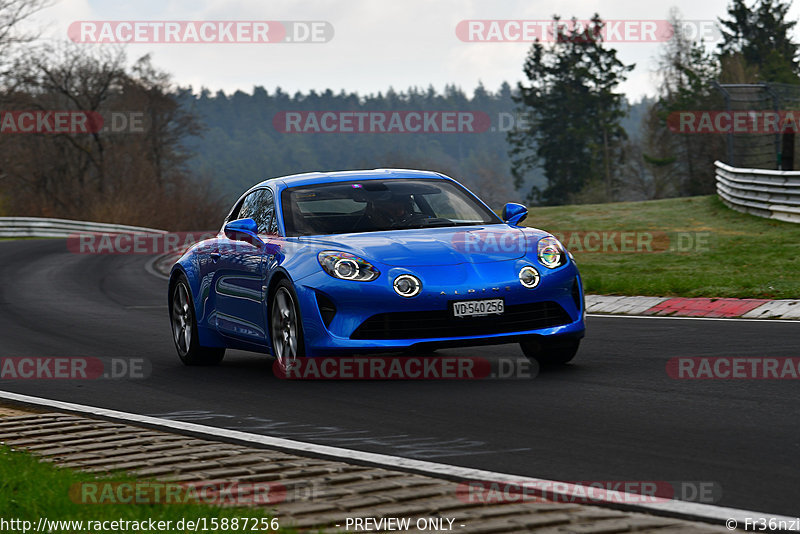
(184, 329)
(286, 326)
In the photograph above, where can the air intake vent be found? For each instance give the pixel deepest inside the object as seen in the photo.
(326, 308)
(440, 324)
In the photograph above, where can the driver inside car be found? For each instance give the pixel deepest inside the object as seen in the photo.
(388, 213)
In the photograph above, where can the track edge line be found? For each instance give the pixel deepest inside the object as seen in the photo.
(675, 509)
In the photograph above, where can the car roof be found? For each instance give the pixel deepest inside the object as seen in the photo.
(311, 178)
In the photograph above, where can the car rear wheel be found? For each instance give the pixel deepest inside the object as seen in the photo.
(286, 326)
(184, 329)
(551, 352)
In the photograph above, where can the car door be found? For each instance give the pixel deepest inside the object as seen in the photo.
(240, 276)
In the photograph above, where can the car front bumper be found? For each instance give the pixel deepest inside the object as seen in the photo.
(371, 317)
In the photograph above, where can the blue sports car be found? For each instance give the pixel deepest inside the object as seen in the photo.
(373, 261)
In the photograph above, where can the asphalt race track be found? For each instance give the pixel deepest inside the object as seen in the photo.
(613, 415)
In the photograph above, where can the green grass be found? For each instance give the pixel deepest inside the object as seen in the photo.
(30, 489)
(746, 256)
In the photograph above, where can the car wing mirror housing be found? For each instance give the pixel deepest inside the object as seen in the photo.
(514, 213)
(243, 230)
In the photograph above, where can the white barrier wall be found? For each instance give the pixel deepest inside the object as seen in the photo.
(41, 227)
(771, 194)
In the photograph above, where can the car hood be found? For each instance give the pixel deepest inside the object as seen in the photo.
(432, 246)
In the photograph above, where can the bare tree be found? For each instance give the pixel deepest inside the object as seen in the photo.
(131, 176)
(12, 13)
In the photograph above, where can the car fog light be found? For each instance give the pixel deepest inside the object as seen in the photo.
(406, 285)
(529, 277)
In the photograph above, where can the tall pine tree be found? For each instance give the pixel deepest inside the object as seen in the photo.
(761, 34)
(573, 130)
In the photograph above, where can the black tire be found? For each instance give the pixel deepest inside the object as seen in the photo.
(181, 315)
(551, 353)
(285, 323)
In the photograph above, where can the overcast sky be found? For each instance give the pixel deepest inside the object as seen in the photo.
(377, 43)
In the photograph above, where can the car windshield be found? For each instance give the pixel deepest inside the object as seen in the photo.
(375, 205)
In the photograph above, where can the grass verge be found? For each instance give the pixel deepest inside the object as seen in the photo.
(30, 490)
(699, 248)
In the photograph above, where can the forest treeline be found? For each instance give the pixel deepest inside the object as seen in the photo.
(245, 138)
(565, 134)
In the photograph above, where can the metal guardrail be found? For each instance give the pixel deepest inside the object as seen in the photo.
(761, 192)
(42, 227)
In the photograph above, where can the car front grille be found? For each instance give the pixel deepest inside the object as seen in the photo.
(441, 324)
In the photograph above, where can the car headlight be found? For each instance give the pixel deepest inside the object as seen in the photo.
(551, 253)
(346, 266)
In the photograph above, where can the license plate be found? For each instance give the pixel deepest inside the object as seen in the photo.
(477, 308)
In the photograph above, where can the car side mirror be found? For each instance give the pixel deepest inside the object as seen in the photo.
(514, 213)
(243, 230)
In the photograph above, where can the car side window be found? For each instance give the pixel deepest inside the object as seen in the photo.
(273, 222)
(259, 206)
(265, 212)
(249, 206)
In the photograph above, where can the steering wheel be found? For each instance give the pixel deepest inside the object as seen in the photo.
(412, 218)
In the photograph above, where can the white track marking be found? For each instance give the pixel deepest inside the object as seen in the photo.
(765, 321)
(634, 305)
(789, 309)
(681, 509)
(621, 305)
